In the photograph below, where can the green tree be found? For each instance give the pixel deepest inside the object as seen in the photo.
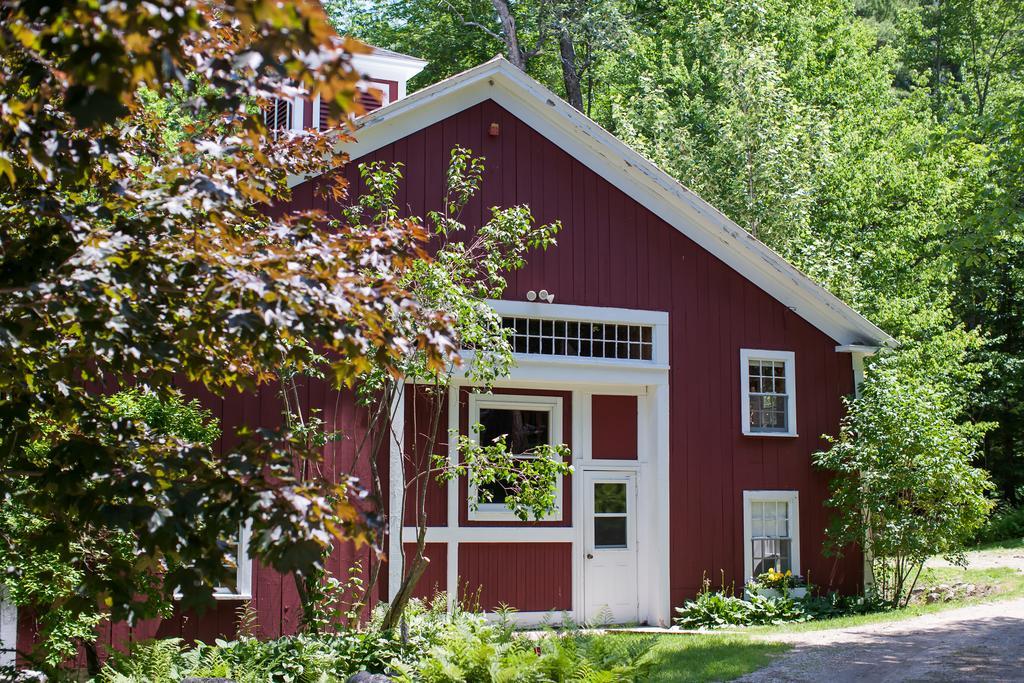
(468, 267)
(128, 255)
(49, 580)
(905, 486)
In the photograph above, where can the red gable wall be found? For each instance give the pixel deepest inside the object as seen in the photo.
(614, 252)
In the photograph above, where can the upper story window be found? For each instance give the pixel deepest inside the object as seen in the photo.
(527, 422)
(580, 339)
(768, 390)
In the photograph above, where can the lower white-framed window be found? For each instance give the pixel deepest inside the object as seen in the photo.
(527, 423)
(768, 392)
(771, 532)
(239, 563)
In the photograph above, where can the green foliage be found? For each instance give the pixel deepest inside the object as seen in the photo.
(1005, 524)
(877, 144)
(719, 609)
(454, 285)
(712, 609)
(439, 648)
(169, 416)
(905, 487)
(51, 580)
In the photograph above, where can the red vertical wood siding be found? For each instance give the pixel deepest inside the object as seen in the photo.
(464, 426)
(420, 423)
(435, 577)
(613, 425)
(531, 577)
(613, 251)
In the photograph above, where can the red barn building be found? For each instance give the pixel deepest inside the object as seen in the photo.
(690, 368)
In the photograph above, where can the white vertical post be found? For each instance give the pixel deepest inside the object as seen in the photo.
(857, 361)
(452, 575)
(396, 491)
(8, 630)
(661, 595)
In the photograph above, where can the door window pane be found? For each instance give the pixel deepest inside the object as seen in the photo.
(610, 498)
(610, 532)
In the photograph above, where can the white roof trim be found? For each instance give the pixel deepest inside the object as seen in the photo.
(623, 167)
(387, 65)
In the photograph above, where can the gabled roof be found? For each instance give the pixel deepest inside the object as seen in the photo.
(623, 167)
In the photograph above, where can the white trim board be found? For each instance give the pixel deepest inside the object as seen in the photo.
(8, 631)
(623, 167)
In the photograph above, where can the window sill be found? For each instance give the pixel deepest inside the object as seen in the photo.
(503, 514)
(219, 597)
(776, 435)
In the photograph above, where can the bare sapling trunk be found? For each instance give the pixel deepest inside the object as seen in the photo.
(421, 465)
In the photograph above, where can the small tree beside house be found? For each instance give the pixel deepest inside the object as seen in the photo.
(465, 270)
(906, 489)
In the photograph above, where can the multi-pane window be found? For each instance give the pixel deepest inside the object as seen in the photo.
(768, 386)
(769, 399)
(581, 339)
(771, 546)
(771, 532)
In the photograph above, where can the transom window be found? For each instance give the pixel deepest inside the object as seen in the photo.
(576, 338)
(771, 532)
(527, 422)
(769, 392)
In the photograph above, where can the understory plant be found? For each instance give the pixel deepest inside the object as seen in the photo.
(721, 608)
(438, 647)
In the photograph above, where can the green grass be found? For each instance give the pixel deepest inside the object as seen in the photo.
(688, 658)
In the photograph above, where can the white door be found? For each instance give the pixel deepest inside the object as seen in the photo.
(610, 564)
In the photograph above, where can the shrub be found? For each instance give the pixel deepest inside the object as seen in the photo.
(713, 609)
(904, 488)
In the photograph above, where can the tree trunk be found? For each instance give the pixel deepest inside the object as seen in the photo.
(397, 607)
(509, 34)
(92, 659)
(570, 71)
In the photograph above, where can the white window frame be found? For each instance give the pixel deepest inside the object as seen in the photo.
(789, 358)
(243, 585)
(792, 498)
(499, 512)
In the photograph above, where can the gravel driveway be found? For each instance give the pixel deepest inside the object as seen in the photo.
(976, 643)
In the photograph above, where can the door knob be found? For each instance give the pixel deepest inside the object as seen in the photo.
(590, 556)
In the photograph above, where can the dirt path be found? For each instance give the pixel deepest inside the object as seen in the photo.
(976, 643)
(987, 559)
